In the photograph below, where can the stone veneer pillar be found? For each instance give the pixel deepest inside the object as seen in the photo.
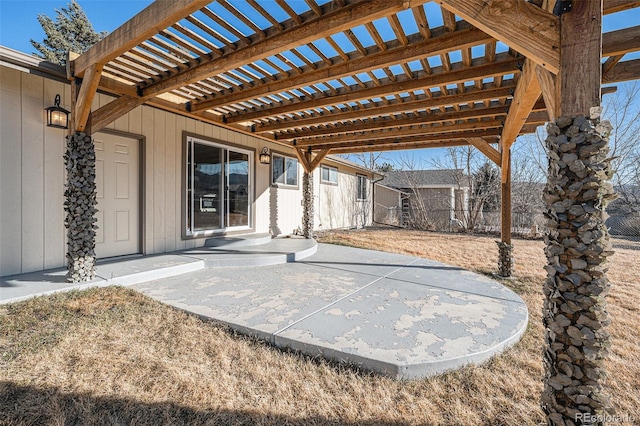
(307, 199)
(577, 246)
(80, 207)
(505, 259)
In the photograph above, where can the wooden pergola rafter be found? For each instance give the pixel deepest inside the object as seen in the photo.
(290, 79)
(349, 75)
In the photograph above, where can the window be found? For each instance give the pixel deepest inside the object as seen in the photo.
(284, 170)
(362, 187)
(329, 174)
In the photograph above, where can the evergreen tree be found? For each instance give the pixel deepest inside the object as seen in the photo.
(71, 31)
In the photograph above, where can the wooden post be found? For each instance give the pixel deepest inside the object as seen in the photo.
(577, 243)
(505, 249)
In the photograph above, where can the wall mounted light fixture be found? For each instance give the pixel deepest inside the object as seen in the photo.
(57, 116)
(265, 157)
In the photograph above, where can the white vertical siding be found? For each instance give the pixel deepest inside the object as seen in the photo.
(10, 171)
(338, 206)
(32, 177)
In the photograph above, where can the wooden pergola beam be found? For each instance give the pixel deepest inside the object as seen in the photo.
(521, 25)
(443, 143)
(504, 67)
(399, 122)
(382, 58)
(405, 138)
(399, 132)
(150, 21)
(399, 107)
(613, 6)
(615, 43)
(334, 20)
(484, 147)
(623, 71)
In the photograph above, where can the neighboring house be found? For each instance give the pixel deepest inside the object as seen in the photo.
(437, 199)
(165, 182)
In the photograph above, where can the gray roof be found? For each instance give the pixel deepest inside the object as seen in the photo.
(423, 178)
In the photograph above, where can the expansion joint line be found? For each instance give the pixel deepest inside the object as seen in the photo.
(343, 298)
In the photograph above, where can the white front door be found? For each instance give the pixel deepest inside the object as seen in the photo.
(118, 187)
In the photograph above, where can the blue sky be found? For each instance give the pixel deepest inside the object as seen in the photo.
(19, 24)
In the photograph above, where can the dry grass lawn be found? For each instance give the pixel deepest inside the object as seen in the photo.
(112, 356)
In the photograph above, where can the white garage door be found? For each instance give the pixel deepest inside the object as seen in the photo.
(118, 187)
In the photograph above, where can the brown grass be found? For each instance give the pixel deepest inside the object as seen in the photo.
(113, 356)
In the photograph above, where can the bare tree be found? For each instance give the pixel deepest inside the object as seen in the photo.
(370, 160)
(621, 109)
(470, 169)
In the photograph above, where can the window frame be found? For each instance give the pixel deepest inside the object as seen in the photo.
(330, 168)
(192, 138)
(362, 184)
(284, 184)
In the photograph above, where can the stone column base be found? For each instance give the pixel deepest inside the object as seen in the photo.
(505, 259)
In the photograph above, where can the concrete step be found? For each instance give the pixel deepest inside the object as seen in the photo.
(238, 240)
(275, 252)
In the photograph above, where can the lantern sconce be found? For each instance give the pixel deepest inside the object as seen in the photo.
(57, 116)
(265, 157)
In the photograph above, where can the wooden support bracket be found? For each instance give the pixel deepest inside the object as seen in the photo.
(302, 158)
(490, 152)
(547, 82)
(108, 113)
(82, 107)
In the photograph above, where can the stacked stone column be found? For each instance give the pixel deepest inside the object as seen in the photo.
(577, 246)
(505, 259)
(80, 207)
(307, 201)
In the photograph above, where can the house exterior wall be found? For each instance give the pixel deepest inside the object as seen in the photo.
(32, 178)
(337, 206)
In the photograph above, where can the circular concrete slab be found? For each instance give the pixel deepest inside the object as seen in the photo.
(397, 315)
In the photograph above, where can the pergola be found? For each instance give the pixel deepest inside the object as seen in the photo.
(348, 76)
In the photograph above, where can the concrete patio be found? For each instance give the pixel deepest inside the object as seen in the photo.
(400, 316)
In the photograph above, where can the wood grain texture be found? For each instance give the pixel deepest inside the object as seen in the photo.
(623, 71)
(82, 107)
(504, 67)
(407, 106)
(521, 25)
(619, 42)
(490, 152)
(613, 6)
(339, 20)
(108, 113)
(547, 82)
(581, 67)
(414, 51)
(527, 93)
(382, 124)
(150, 21)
